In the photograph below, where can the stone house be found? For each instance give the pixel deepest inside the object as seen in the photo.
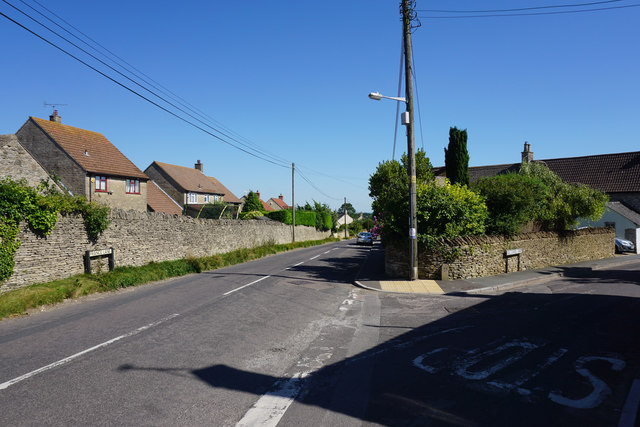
(277, 203)
(85, 163)
(617, 175)
(16, 163)
(190, 188)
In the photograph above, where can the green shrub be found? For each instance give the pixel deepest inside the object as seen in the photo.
(283, 215)
(251, 214)
(449, 210)
(307, 218)
(513, 200)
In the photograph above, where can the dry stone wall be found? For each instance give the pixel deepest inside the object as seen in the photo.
(139, 238)
(481, 256)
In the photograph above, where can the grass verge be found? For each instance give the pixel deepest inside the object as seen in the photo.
(17, 302)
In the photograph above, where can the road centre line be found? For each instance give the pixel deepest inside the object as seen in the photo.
(75, 356)
(314, 257)
(244, 286)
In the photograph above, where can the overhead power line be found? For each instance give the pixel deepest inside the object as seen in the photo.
(518, 9)
(562, 12)
(247, 146)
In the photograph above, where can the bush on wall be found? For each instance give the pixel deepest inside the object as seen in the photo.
(40, 208)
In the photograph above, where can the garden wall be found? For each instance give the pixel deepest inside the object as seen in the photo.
(480, 256)
(139, 238)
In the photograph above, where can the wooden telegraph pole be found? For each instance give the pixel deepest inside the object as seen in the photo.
(293, 202)
(407, 14)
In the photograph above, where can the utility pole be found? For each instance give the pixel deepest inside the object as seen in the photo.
(293, 202)
(407, 13)
(345, 218)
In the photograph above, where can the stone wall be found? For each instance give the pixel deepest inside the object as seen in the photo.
(480, 256)
(139, 238)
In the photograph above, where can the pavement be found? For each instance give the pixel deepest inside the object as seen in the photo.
(372, 276)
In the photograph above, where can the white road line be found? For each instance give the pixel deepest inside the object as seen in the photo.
(314, 257)
(327, 251)
(248, 284)
(75, 356)
(628, 418)
(289, 268)
(270, 408)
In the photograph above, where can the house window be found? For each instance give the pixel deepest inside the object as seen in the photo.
(193, 198)
(206, 198)
(133, 186)
(101, 184)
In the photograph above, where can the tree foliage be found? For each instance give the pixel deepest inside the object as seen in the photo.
(456, 157)
(389, 189)
(253, 203)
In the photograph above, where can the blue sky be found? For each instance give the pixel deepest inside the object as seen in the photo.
(292, 77)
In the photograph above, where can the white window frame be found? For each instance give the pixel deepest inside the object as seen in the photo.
(193, 198)
(133, 186)
(206, 198)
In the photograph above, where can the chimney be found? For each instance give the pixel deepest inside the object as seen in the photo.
(527, 154)
(55, 117)
(281, 197)
(198, 166)
(258, 193)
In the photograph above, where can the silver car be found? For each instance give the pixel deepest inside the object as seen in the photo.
(364, 238)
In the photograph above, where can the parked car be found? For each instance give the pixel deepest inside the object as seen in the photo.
(364, 238)
(624, 246)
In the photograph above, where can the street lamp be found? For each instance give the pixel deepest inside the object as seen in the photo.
(407, 120)
(377, 96)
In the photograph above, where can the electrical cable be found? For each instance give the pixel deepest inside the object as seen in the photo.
(137, 93)
(417, 92)
(395, 132)
(563, 12)
(159, 86)
(258, 150)
(518, 9)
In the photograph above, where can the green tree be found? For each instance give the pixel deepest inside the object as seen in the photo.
(253, 203)
(456, 157)
(351, 211)
(389, 189)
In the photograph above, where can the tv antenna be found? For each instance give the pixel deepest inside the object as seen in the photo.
(53, 105)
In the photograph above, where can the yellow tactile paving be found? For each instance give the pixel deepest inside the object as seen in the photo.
(415, 286)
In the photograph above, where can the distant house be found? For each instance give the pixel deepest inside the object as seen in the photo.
(85, 162)
(617, 175)
(266, 206)
(344, 219)
(190, 188)
(277, 204)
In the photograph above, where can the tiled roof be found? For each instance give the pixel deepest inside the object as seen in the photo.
(159, 201)
(280, 202)
(190, 179)
(610, 173)
(228, 196)
(91, 150)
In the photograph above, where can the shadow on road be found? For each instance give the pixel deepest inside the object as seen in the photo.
(512, 359)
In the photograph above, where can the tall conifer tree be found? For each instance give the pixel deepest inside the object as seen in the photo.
(456, 157)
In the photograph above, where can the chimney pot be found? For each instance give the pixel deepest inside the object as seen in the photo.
(199, 166)
(281, 197)
(55, 117)
(527, 154)
(258, 193)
